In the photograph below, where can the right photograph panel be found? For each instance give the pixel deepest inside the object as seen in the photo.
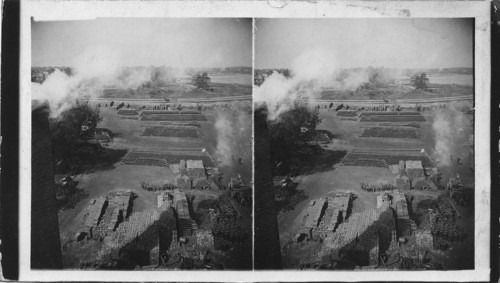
(364, 144)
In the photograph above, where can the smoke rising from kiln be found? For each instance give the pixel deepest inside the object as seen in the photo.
(449, 134)
(93, 70)
(57, 89)
(312, 72)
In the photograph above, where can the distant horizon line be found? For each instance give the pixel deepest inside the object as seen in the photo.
(156, 66)
(376, 67)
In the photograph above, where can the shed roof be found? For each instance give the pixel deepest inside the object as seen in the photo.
(414, 164)
(192, 164)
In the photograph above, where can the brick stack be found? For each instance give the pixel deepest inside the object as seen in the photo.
(414, 170)
(183, 217)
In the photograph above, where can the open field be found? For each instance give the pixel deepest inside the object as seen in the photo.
(389, 113)
(386, 158)
(177, 112)
(242, 79)
(347, 113)
(179, 123)
(458, 79)
(392, 118)
(441, 86)
(171, 131)
(390, 132)
(128, 112)
(173, 117)
(165, 157)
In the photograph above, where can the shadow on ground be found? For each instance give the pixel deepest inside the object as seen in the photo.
(73, 198)
(316, 162)
(105, 160)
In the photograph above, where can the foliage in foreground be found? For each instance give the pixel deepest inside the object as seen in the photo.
(291, 131)
(72, 130)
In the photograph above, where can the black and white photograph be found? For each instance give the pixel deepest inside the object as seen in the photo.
(141, 144)
(370, 141)
(253, 141)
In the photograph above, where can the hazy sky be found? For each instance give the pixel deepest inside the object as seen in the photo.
(172, 42)
(391, 43)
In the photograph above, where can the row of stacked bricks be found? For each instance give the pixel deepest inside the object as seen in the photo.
(182, 209)
(135, 227)
(373, 232)
(180, 112)
(226, 229)
(444, 225)
(339, 204)
(326, 219)
(120, 202)
(356, 235)
(356, 225)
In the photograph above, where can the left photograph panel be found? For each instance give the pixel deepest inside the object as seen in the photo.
(141, 144)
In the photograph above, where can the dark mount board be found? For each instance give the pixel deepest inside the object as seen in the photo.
(9, 190)
(495, 139)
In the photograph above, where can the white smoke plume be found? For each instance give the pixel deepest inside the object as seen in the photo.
(57, 90)
(97, 63)
(311, 73)
(350, 80)
(450, 135)
(93, 70)
(233, 137)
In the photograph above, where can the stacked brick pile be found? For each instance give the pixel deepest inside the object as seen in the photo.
(414, 170)
(445, 227)
(314, 212)
(183, 218)
(226, 229)
(139, 231)
(365, 233)
(95, 212)
(204, 239)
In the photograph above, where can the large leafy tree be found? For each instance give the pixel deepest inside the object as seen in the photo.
(291, 131)
(72, 128)
(202, 81)
(419, 81)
